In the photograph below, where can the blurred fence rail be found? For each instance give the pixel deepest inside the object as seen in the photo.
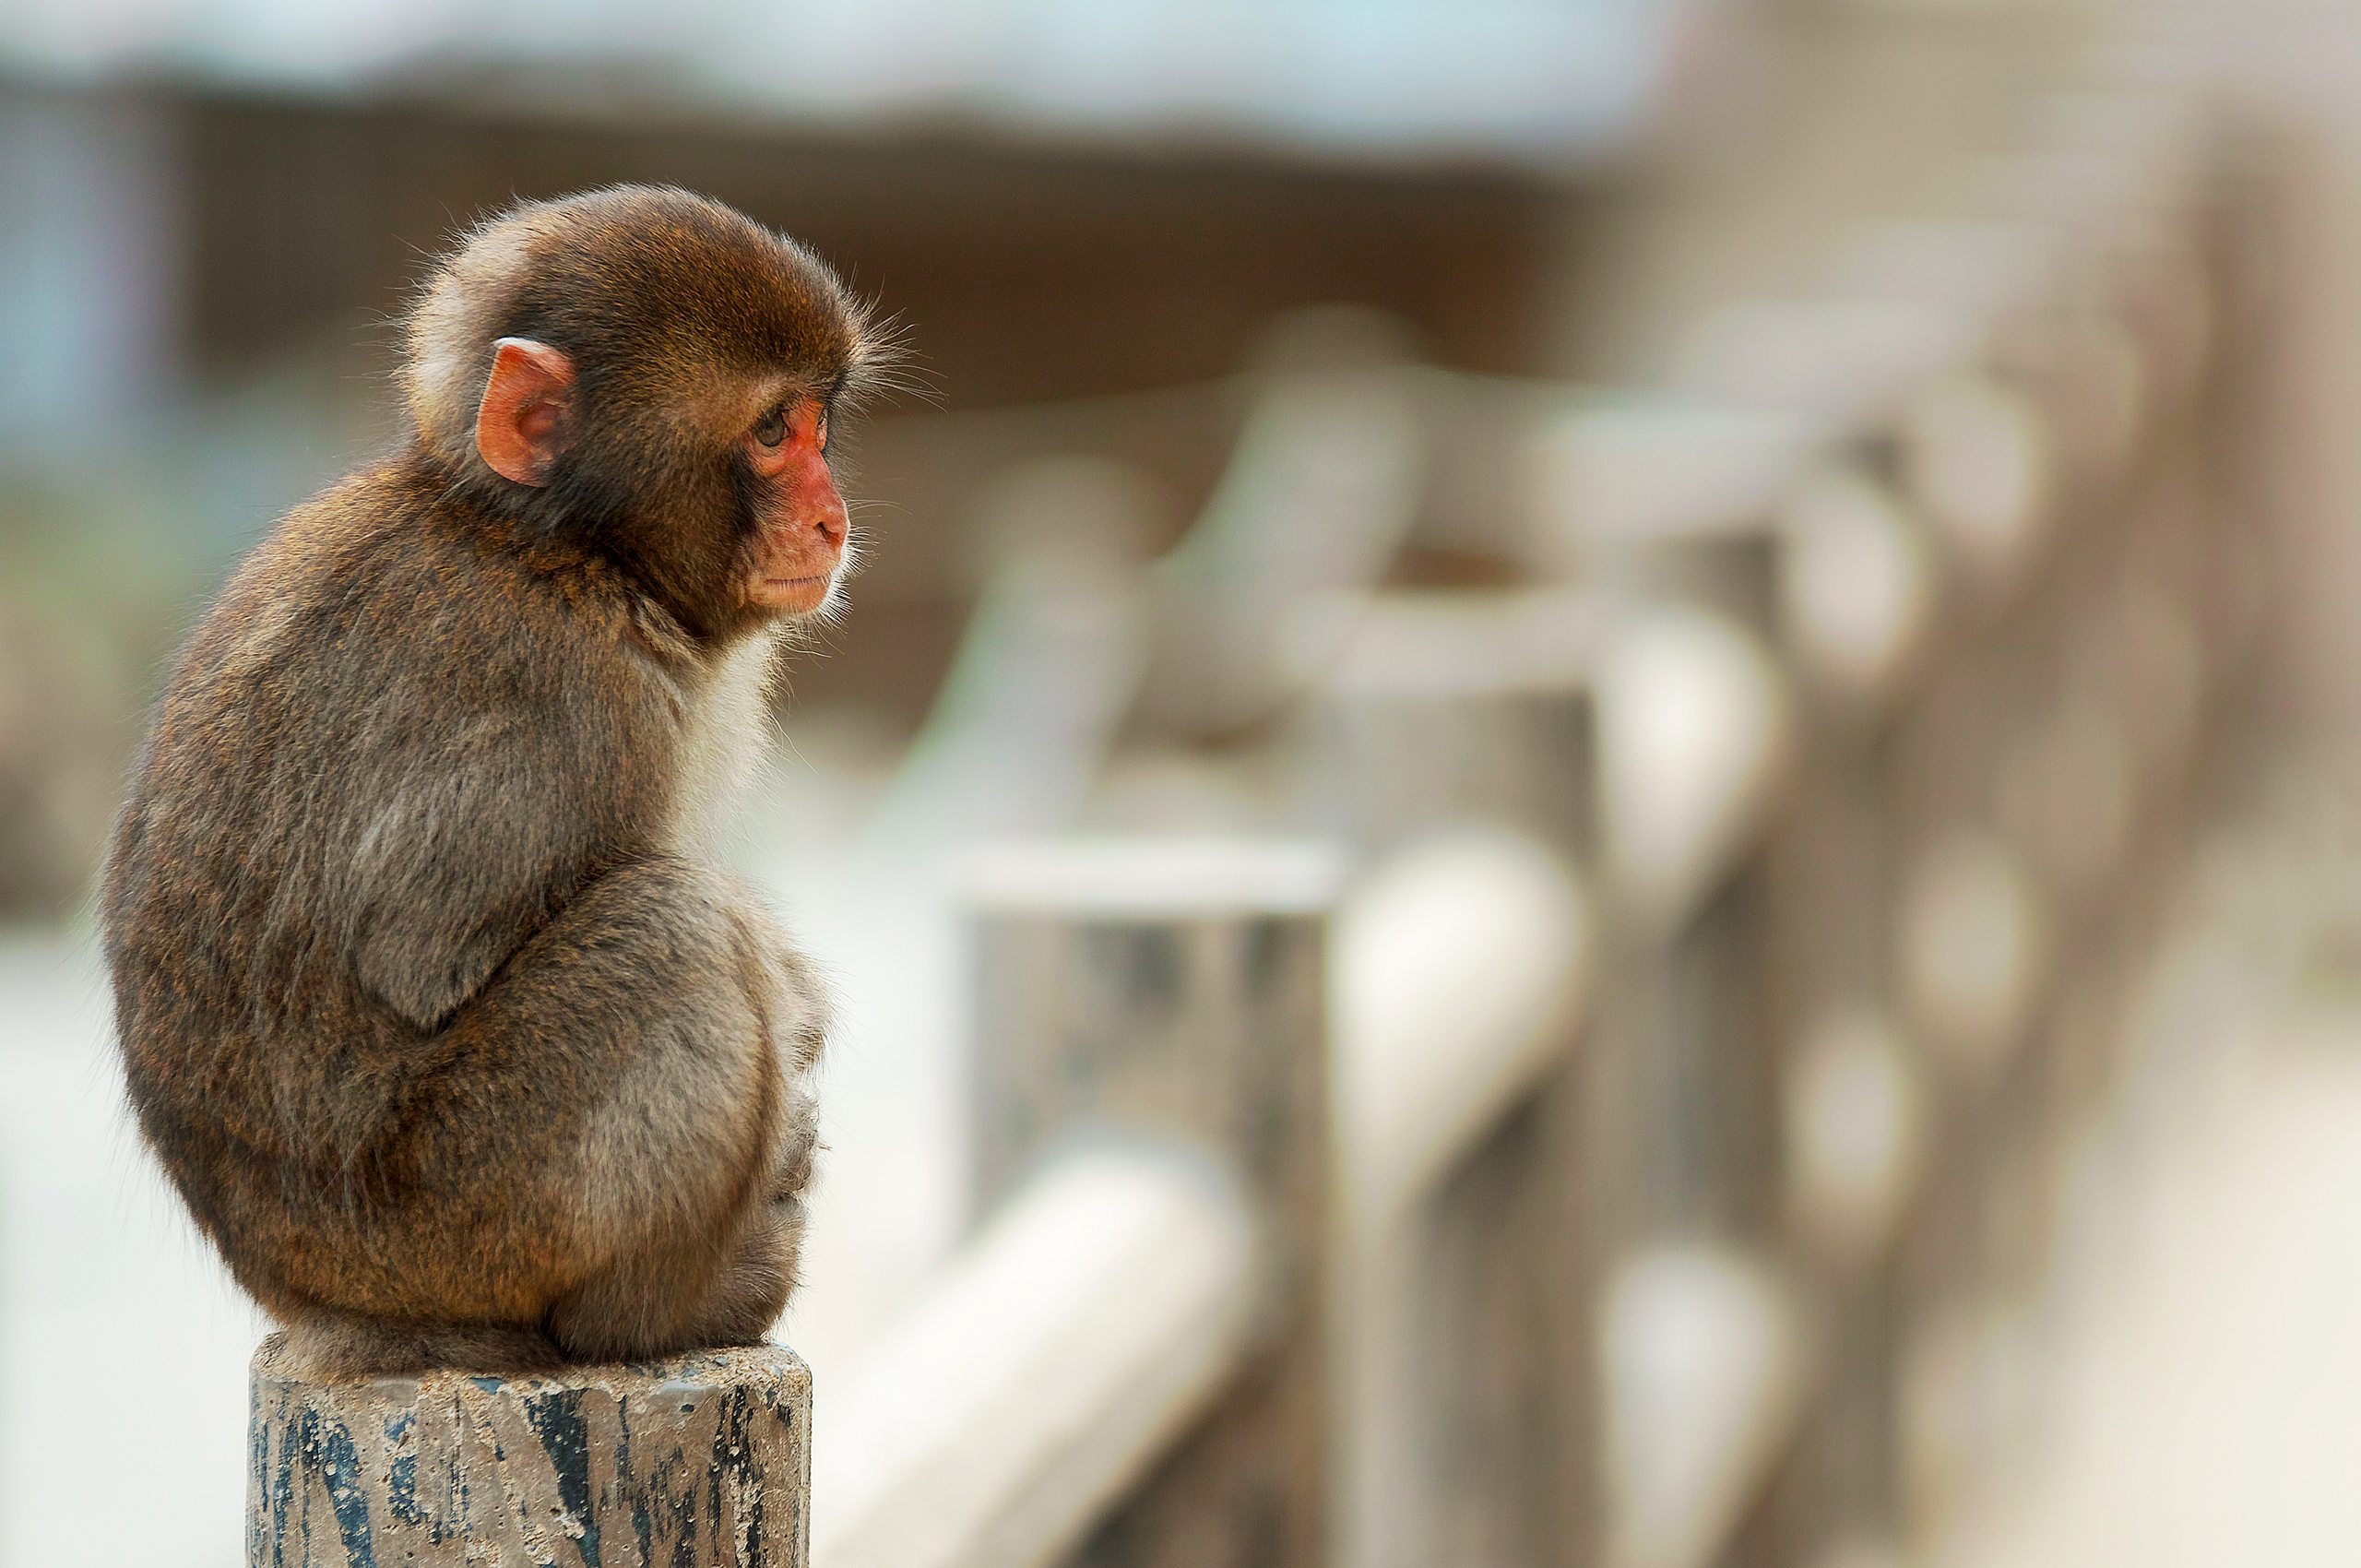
(1633, 1154)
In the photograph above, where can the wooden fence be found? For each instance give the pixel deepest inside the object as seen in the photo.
(1634, 1155)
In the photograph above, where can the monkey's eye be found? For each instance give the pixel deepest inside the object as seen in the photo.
(820, 430)
(772, 428)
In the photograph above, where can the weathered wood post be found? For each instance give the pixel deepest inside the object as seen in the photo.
(703, 1459)
(1178, 987)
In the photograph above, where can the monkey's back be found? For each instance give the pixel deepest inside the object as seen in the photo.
(387, 755)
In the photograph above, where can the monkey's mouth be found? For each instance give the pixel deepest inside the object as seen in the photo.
(794, 596)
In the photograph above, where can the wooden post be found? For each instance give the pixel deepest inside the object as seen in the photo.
(1178, 987)
(706, 1458)
(1438, 710)
(1440, 707)
(1095, 1319)
(1678, 1128)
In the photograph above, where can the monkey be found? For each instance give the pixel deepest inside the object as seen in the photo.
(459, 1050)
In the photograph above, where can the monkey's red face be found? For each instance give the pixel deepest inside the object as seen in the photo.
(525, 422)
(799, 516)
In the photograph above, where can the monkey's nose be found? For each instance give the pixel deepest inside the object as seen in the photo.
(829, 518)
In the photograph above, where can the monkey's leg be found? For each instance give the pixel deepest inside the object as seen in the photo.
(603, 1160)
(614, 1316)
(753, 1290)
(687, 1025)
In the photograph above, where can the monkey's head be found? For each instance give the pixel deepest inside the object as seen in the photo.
(653, 376)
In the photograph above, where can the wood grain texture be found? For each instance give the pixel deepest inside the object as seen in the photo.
(702, 1461)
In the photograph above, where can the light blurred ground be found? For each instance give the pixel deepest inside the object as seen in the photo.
(122, 1344)
(2212, 1414)
(2201, 1399)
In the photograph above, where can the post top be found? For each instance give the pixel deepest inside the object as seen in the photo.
(1193, 874)
(1448, 642)
(763, 1367)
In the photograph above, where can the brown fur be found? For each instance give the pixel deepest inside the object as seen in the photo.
(456, 1050)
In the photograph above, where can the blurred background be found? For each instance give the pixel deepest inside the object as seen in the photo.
(1796, 559)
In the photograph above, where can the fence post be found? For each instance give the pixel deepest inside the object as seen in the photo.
(706, 1458)
(1178, 987)
(1696, 1371)
(1437, 711)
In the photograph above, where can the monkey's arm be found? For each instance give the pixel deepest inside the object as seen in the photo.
(460, 856)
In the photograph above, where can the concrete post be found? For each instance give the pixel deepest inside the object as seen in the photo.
(706, 1458)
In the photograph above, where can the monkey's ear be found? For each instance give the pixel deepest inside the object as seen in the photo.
(520, 424)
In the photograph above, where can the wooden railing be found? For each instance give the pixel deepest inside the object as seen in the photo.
(1726, 940)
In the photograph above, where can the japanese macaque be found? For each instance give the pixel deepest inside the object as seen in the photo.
(456, 1049)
